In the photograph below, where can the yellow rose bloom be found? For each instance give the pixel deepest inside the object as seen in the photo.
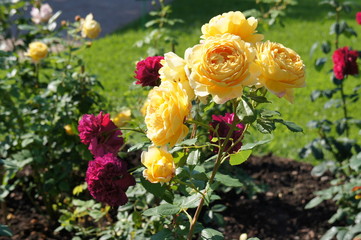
(168, 106)
(89, 27)
(221, 66)
(37, 51)
(69, 130)
(233, 23)
(122, 118)
(174, 70)
(281, 69)
(160, 165)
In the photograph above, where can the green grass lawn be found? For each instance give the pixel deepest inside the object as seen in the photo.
(113, 59)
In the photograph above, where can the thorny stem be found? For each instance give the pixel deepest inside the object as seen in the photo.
(344, 108)
(210, 181)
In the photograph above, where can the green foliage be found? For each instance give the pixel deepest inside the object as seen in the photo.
(338, 151)
(40, 106)
(5, 231)
(161, 32)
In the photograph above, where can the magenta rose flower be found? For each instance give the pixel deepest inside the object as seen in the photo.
(102, 135)
(222, 125)
(108, 180)
(147, 71)
(358, 18)
(344, 62)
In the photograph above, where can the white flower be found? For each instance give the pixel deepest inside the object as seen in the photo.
(42, 14)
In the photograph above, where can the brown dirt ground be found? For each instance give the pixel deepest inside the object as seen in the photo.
(278, 213)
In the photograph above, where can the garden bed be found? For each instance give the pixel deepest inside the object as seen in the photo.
(278, 213)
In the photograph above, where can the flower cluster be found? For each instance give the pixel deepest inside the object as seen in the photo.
(41, 14)
(107, 176)
(229, 58)
(108, 179)
(100, 133)
(147, 71)
(344, 62)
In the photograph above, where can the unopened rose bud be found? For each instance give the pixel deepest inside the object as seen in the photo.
(64, 23)
(88, 44)
(69, 130)
(77, 18)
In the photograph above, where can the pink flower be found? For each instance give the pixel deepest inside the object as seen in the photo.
(108, 180)
(344, 62)
(42, 14)
(222, 125)
(358, 18)
(147, 71)
(100, 133)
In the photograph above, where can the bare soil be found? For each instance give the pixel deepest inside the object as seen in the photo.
(278, 213)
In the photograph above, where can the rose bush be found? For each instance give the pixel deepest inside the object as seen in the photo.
(230, 68)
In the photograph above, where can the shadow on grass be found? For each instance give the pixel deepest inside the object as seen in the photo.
(195, 13)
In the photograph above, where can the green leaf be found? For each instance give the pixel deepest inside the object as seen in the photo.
(157, 190)
(249, 146)
(164, 234)
(313, 49)
(314, 202)
(290, 125)
(218, 208)
(211, 234)
(240, 157)
(193, 157)
(189, 202)
(319, 170)
(189, 142)
(265, 113)
(355, 162)
(265, 125)
(164, 210)
(337, 216)
(228, 180)
(330, 234)
(5, 231)
(326, 47)
(245, 112)
(259, 99)
(319, 63)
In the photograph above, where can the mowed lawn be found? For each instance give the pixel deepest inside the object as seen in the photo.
(113, 60)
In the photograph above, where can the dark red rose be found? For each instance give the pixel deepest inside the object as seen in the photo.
(102, 135)
(344, 62)
(108, 180)
(358, 18)
(147, 71)
(222, 125)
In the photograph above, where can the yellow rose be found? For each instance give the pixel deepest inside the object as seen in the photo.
(168, 106)
(69, 130)
(89, 27)
(174, 70)
(160, 165)
(221, 66)
(37, 51)
(122, 118)
(281, 69)
(233, 23)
